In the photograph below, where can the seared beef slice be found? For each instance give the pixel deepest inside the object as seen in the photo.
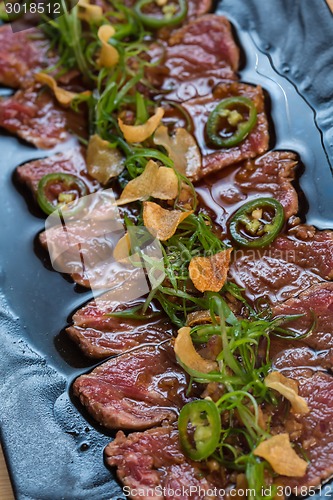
(152, 462)
(316, 428)
(70, 161)
(253, 145)
(99, 335)
(137, 390)
(34, 116)
(22, 54)
(316, 307)
(271, 174)
(291, 263)
(196, 58)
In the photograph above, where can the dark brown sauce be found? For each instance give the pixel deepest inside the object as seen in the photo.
(220, 196)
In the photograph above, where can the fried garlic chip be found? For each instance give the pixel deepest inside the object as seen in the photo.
(160, 222)
(182, 149)
(281, 456)
(103, 161)
(139, 133)
(187, 354)
(155, 181)
(64, 97)
(208, 274)
(199, 318)
(89, 12)
(123, 253)
(185, 197)
(289, 389)
(109, 56)
(122, 249)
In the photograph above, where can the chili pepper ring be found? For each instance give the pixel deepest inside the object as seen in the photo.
(230, 110)
(153, 22)
(67, 181)
(204, 418)
(248, 226)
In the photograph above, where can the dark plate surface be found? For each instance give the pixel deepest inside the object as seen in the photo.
(53, 451)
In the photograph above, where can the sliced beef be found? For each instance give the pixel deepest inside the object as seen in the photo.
(100, 336)
(81, 252)
(83, 247)
(196, 58)
(136, 390)
(306, 361)
(253, 145)
(71, 161)
(22, 54)
(152, 464)
(316, 428)
(309, 248)
(269, 175)
(287, 354)
(198, 8)
(34, 116)
(292, 263)
(316, 305)
(315, 350)
(268, 274)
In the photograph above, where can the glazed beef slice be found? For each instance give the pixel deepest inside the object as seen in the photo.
(316, 307)
(152, 462)
(313, 343)
(71, 161)
(270, 175)
(34, 116)
(255, 144)
(306, 360)
(291, 263)
(21, 55)
(316, 428)
(136, 390)
(195, 58)
(99, 335)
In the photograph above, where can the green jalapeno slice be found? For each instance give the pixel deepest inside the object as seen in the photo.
(58, 189)
(257, 223)
(170, 14)
(199, 426)
(231, 121)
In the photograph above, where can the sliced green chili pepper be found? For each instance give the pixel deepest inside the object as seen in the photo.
(202, 438)
(170, 15)
(257, 223)
(231, 121)
(55, 190)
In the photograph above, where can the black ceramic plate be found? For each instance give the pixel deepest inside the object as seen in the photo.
(53, 451)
